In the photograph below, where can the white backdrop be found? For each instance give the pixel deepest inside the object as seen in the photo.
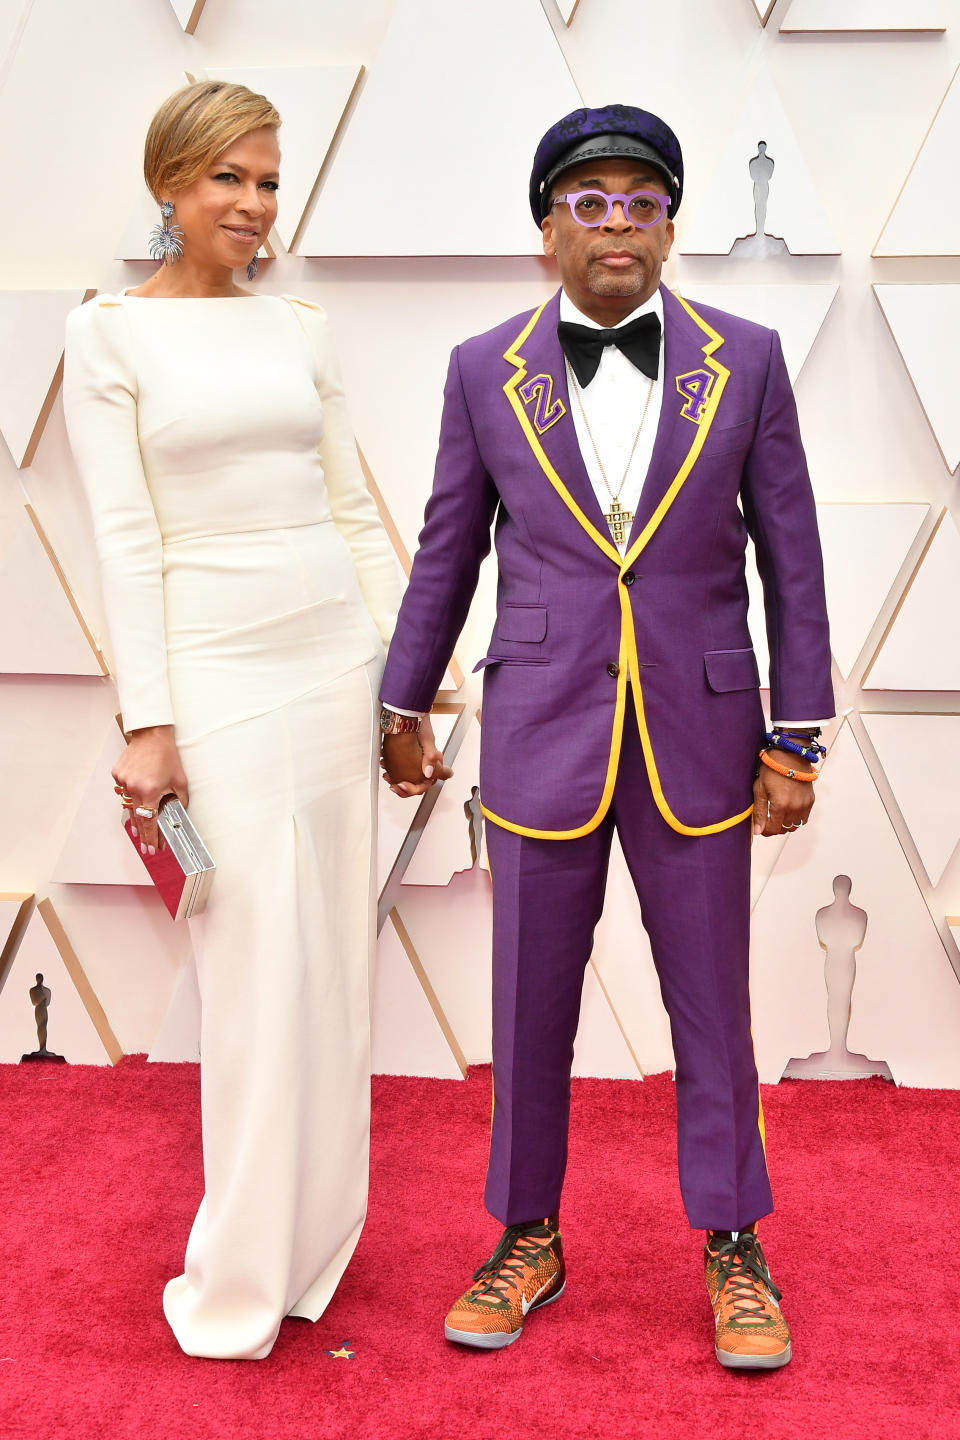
(388, 222)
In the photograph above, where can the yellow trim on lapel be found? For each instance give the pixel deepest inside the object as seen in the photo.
(714, 341)
(512, 355)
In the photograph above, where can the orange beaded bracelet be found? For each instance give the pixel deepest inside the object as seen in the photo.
(782, 769)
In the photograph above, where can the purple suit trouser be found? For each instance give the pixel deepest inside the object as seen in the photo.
(694, 895)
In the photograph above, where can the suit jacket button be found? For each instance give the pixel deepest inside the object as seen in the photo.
(613, 670)
(629, 578)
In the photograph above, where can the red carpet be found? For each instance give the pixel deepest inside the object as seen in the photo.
(101, 1175)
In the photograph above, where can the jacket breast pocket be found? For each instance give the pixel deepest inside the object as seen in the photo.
(728, 439)
(731, 670)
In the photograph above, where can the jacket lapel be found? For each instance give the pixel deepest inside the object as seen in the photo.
(537, 392)
(693, 382)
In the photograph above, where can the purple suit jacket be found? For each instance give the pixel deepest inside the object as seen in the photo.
(578, 629)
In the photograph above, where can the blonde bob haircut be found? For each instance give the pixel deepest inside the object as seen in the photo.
(194, 126)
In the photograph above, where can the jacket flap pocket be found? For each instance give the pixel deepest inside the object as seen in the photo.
(731, 670)
(522, 622)
(525, 660)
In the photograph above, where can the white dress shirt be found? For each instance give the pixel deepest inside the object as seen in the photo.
(613, 403)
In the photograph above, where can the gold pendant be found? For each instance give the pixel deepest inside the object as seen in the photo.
(619, 522)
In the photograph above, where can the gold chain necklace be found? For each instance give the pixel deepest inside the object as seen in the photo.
(618, 520)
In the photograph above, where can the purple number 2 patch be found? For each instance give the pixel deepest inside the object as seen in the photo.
(548, 411)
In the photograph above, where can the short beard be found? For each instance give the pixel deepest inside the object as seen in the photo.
(605, 282)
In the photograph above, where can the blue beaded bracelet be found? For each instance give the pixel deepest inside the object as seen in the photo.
(812, 751)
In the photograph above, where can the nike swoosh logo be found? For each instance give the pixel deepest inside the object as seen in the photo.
(526, 1304)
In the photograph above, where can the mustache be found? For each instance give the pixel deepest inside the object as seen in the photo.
(597, 251)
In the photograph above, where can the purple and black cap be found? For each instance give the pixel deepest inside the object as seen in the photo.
(611, 131)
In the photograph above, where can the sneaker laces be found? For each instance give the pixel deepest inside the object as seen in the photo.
(741, 1267)
(520, 1245)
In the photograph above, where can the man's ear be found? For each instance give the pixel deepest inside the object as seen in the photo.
(668, 242)
(546, 226)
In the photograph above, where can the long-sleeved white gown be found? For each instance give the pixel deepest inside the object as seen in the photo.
(250, 589)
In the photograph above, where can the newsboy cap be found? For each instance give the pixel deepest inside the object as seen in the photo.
(603, 134)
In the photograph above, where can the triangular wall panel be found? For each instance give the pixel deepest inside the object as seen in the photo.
(78, 1029)
(42, 631)
(922, 320)
(97, 849)
(763, 8)
(178, 1039)
(188, 12)
(928, 794)
(864, 548)
(624, 965)
(852, 15)
(727, 212)
(14, 15)
(906, 998)
(409, 1035)
(311, 102)
(452, 929)
(921, 650)
(925, 219)
(437, 74)
(14, 912)
(567, 8)
(31, 363)
(796, 312)
(600, 1048)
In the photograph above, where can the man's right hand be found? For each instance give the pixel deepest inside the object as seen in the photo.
(411, 762)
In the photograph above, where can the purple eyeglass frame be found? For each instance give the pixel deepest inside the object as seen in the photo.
(662, 200)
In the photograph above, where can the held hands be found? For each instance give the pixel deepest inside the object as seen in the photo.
(411, 763)
(779, 803)
(148, 770)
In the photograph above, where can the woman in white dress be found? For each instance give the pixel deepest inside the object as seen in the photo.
(250, 590)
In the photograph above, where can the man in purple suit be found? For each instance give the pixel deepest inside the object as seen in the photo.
(627, 443)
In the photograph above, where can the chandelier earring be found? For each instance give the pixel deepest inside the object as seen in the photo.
(166, 239)
(253, 267)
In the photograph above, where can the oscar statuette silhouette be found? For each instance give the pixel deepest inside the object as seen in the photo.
(41, 997)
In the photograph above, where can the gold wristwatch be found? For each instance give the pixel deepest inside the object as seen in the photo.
(393, 724)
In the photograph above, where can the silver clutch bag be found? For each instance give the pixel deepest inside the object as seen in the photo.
(182, 869)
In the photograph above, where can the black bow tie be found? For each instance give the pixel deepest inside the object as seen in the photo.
(639, 341)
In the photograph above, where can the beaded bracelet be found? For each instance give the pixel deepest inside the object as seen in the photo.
(782, 769)
(779, 740)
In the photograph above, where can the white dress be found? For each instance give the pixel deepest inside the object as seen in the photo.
(250, 589)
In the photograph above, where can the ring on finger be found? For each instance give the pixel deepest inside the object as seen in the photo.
(127, 800)
(145, 812)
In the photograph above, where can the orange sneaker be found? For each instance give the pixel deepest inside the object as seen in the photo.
(751, 1333)
(524, 1272)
